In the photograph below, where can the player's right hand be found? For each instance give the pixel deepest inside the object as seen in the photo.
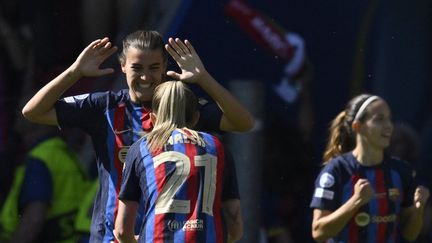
(88, 62)
(363, 191)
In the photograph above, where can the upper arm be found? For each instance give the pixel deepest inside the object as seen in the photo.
(47, 118)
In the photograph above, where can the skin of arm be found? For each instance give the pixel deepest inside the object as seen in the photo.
(40, 108)
(235, 116)
(31, 223)
(233, 219)
(327, 224)
(412, 217)
(125, 221)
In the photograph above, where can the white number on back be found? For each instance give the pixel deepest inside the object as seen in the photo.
(166, 203)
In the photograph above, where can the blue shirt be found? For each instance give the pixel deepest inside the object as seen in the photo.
(182, 187)
(393, 182)
(114, 123)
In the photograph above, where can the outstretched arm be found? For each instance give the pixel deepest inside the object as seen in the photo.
(40, 108)
(235, 116)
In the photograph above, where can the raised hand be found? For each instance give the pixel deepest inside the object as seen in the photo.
(363, 191)
(192, 69)
(421, 196)
(88, 62)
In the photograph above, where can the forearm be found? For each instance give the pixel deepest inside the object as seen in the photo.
(42, 103)
(233, 219)
(31, 223)
(412, 222)
(330, 225)
(237, 115)
(126, 238)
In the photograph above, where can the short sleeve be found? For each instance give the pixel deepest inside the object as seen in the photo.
(210, 117)
(130, 187)
(37, 184)
(327, 191)
(80, 110)
(230, 185)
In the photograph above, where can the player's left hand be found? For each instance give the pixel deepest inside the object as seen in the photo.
(421, 196)
(192, 69)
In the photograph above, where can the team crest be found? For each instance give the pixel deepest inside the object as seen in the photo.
(122, 153)
(393, 194)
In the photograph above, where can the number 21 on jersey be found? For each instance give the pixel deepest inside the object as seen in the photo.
(166, 202)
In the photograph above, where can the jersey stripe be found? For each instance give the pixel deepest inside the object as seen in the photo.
(151, 185)
(353, 228)
(373, 206)
(382, 204)
(192, 189)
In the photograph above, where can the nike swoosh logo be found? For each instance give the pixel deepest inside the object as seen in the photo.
(122, 131)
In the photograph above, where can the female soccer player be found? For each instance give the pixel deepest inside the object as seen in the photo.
(361, 194)
(114, 120)
(185, 178)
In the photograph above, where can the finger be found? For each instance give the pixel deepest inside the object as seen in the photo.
(173, 74)
(418, 204)
(184, 48)
(93, 44)
(173, 53)
(190, 47)
(109, 52)
(105, 71)
(101, 43)
(176, 47)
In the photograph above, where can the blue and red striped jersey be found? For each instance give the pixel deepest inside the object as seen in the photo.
(182, 186)
(393, 182)
(114, 123)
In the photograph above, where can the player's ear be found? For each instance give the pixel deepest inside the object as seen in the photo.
(355, 126)
(153, 117)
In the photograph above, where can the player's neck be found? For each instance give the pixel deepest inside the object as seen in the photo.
(367, 156)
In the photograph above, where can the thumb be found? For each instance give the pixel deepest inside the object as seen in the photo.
(418, 204)
(174, 75)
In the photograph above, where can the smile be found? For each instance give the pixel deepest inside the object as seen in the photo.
(145, 86)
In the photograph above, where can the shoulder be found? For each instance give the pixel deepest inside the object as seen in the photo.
(137, 147)
(402, 166)
(339, 167)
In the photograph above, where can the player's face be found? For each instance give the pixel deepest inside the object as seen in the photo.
(378, 127)
(144, 70)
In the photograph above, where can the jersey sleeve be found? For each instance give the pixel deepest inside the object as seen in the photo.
(81, 110)
(328, 189)
(130, 187)
(37, 183)
(210, 117)
(230, 186)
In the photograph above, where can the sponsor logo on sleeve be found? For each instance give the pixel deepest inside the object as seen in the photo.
(71, 99)
(323, 193)
(326, 180)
